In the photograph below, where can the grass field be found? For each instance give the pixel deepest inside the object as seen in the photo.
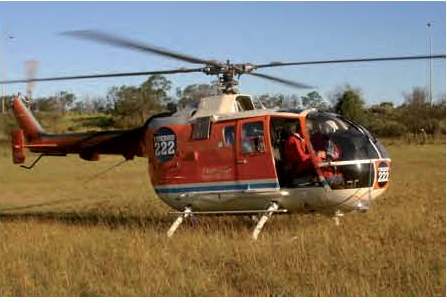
(63, 233)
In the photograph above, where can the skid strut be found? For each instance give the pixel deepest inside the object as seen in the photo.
(183, 215)
(337, 215)
(270, 211)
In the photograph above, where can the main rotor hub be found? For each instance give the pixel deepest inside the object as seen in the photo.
(226, 74)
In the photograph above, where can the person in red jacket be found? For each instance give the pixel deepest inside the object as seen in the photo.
(298, 162)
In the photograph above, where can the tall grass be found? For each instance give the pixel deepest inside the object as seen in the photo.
(65, 235)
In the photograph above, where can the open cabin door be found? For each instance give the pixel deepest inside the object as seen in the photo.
(254, 161)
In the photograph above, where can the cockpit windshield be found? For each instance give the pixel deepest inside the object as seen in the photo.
(340, 152)
(334, 138)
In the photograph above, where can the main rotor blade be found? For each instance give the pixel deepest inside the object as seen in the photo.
(275, 64)
(161, 72)
(114, 40)
(282, 81)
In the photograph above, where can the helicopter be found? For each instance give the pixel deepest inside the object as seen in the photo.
(226, 156)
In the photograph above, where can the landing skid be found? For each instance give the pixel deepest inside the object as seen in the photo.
(270, 211)
(185, 214)
(337, 216)
(266, 214)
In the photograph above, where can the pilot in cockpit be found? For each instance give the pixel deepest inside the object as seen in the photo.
(327, 151)
(297, 158)
(322, 143)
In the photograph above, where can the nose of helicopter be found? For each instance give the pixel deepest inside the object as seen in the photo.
(355, 185)
(354, 199)
(355, 166)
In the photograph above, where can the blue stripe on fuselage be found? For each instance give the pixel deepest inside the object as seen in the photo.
(210, 188)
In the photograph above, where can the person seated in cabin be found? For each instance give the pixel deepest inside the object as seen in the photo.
(333, 177)
(327, 151)
(297, 159)
(253, 138)
(322, 143)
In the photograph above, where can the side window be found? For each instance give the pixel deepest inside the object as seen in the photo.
(244, 103)
(201, 128)
(229, 135)
(253, 138)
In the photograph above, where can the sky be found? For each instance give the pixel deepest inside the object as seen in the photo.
(255, 32)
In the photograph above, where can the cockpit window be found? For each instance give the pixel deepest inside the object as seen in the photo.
(382, 150)
(229, 135)
(336, 139)
(253, 138)
(244, 103)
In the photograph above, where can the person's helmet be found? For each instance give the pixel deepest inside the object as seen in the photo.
(330, 127)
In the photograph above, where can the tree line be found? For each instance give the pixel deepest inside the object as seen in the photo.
(130, 106)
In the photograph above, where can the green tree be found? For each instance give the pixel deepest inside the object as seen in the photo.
(45, 104)
(382, 108)
(7, 102)
(65, 101)
(292, 101)
(91, 105)
(314, 100)
(350, 104)
(272, 101)
(421, 116)
(133, 105)
(59, 103)
(191, 94)
(383, 120)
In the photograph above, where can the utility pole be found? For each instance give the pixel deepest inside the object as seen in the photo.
(429, 64)
(2, 71)
(4, 37)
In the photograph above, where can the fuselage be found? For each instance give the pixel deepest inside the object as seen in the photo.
(229, 158)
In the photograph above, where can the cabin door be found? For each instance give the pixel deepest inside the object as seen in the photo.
(225, 156)
(254, 161)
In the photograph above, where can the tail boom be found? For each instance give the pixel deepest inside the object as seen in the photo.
(128, 143)
(31, 128)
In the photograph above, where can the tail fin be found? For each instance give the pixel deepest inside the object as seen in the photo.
(26, 120)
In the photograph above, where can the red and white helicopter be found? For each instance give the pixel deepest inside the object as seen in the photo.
(226, 156)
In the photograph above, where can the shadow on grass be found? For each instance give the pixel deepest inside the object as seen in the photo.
(36, 205)
(31, 212)
(157, 222)
(91, 219)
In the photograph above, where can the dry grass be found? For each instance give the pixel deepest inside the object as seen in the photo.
(62, 236)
